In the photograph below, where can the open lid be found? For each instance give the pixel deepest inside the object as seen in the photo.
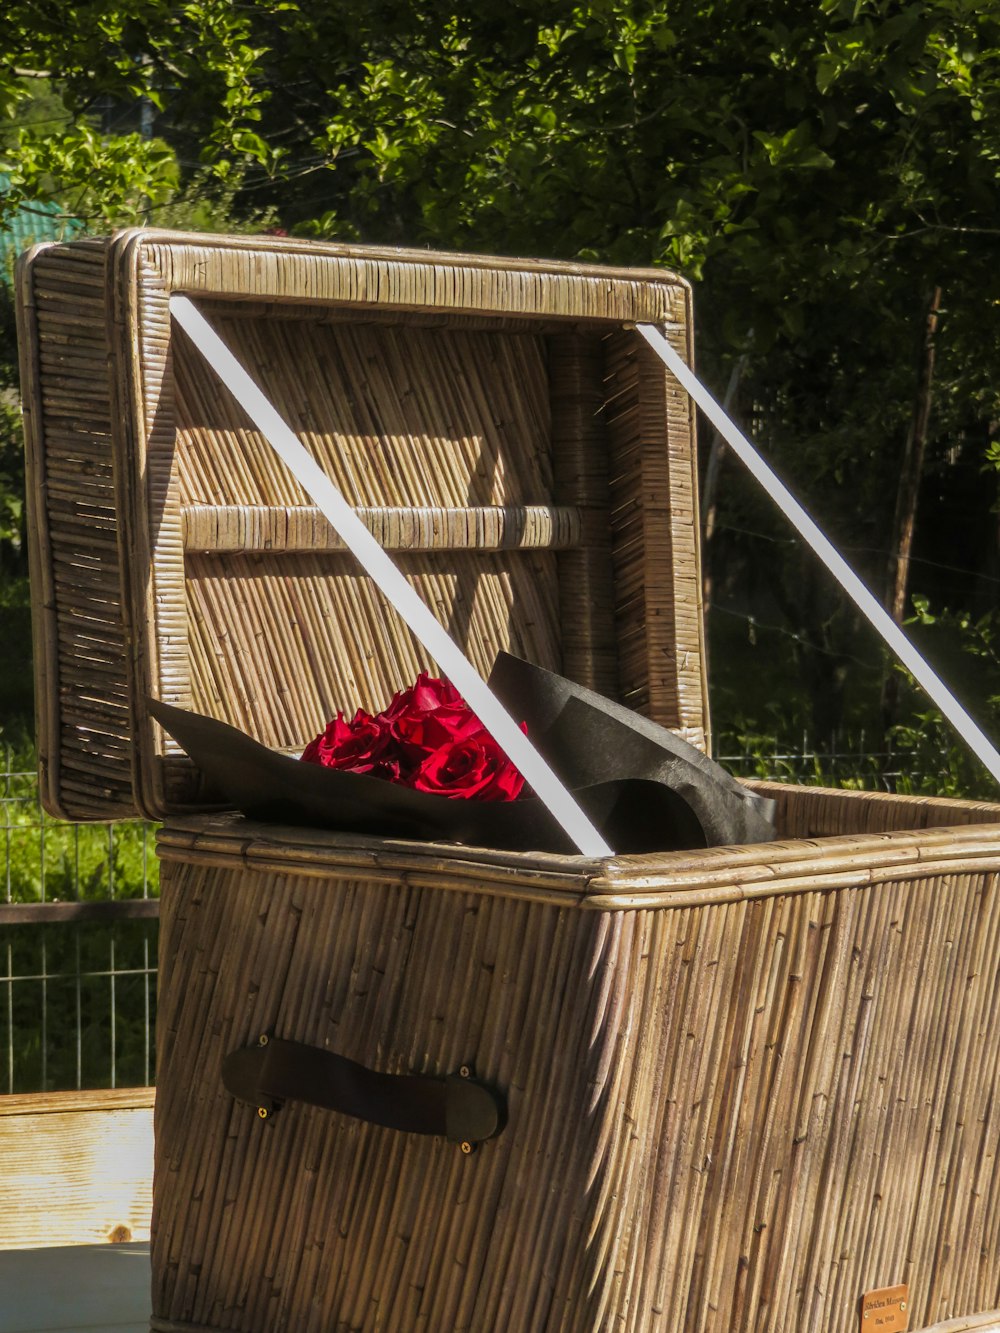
(498, 424)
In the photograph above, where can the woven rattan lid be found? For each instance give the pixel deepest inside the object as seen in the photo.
(498, 424)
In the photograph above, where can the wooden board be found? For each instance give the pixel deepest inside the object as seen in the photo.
(77, 1168)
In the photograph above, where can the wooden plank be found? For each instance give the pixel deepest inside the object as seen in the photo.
(84, 1099)
(120, 909)
(77, 1168)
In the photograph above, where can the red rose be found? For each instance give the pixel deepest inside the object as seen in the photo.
(428, 738)
(470, 766)
(359, 746)
(427, 715)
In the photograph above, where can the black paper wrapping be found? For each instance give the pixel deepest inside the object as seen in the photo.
(644, 788)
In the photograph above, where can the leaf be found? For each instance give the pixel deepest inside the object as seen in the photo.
(828, 70)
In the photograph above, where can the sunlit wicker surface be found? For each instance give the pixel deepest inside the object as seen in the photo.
(745, 1085)
(498, 423)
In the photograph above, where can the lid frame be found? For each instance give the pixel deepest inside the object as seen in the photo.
(145, 268)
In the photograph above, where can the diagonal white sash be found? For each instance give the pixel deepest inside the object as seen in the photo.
(866, 602)
(389, 580)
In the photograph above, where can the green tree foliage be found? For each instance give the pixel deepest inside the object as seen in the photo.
(815, 167)
(790, 141)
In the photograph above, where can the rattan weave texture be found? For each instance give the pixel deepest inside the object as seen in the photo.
(497, 422)
(745, 1085)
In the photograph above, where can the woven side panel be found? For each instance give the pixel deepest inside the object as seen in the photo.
(82, 704)
(817, 812)
(427, 420)
(654, 542)
(734, 1117)
(278, 649)
(361, 1227)
(161, 663)
(395, 415)
(580, 467)
(148, 511)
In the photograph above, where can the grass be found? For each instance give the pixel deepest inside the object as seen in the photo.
(43, 859)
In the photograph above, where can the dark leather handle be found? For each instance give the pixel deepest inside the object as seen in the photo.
(456, 1108)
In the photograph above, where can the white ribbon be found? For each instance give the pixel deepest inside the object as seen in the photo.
(866, 602)
(387, 577)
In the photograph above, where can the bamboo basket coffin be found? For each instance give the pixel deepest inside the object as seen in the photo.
(744, 1086)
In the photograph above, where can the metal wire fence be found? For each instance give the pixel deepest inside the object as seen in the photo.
(78, 925)
(841, 762)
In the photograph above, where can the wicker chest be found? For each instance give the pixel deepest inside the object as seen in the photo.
(741, 1087)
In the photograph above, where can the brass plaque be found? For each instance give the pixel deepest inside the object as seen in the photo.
(886, 1310)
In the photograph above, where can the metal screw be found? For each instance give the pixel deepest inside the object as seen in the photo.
(465, 1071)
(468, 1147)
(902, 1305)
(263, 1112)
(262, 1040)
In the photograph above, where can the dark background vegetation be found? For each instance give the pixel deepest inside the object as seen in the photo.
(824, 171)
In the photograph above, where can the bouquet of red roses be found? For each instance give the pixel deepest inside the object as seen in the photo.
(427, 739)
(394, 774)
